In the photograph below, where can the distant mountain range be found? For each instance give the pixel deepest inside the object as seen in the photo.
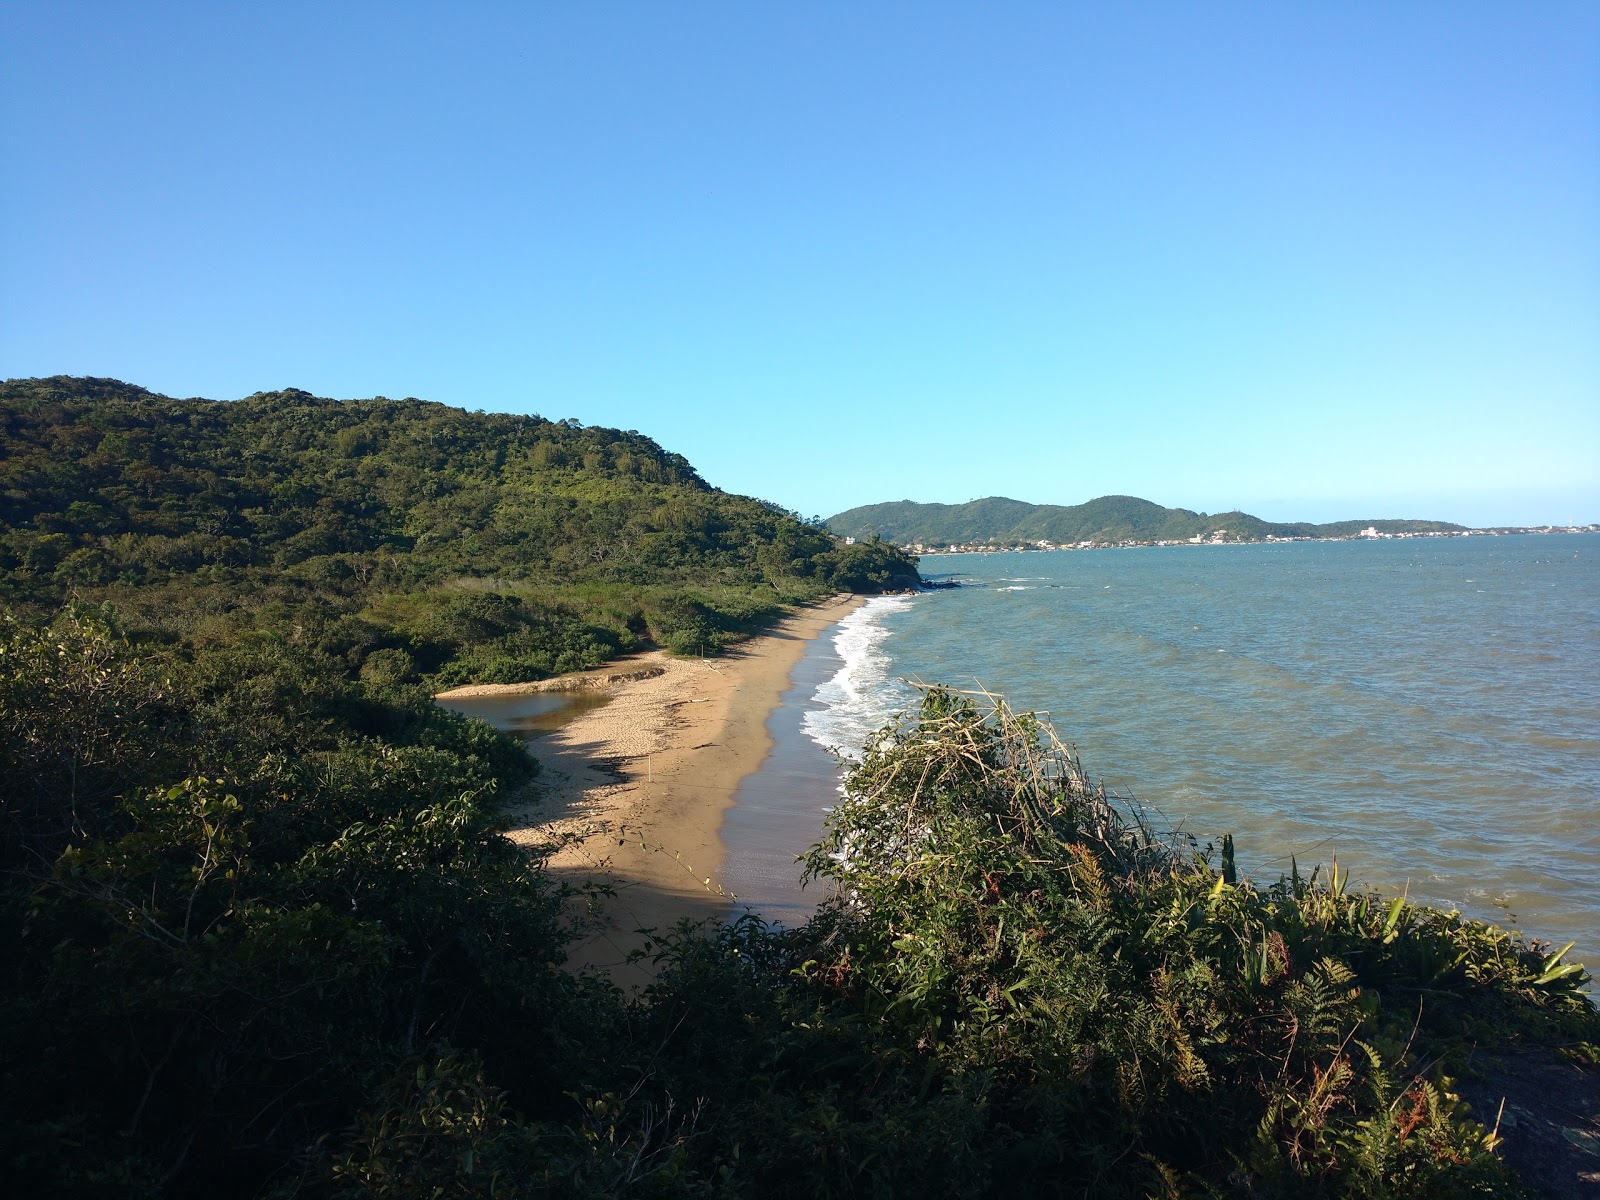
(1107, 519)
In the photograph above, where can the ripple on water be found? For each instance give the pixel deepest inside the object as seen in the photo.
(1367, 703)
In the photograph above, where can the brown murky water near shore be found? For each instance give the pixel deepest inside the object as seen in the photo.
(530, 714)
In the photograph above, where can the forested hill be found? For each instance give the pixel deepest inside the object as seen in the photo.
(287, 509)
(1107, 519)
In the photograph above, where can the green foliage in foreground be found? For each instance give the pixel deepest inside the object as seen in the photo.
(259, 935)
(406, 538)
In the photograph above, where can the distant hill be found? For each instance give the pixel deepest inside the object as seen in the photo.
(1107, 519)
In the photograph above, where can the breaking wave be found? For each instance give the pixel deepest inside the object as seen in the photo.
(862, 696)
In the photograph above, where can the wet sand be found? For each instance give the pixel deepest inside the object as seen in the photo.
(635, 792)
(779, 810)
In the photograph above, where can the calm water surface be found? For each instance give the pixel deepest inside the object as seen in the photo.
(1426, 710)
(530, 713)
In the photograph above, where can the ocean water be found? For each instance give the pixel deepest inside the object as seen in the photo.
(1427, 711)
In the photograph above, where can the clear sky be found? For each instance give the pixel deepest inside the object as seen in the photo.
(1313, 260)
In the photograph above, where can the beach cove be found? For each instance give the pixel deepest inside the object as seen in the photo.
(635, 791)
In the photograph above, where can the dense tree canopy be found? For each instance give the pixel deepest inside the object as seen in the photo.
(448, 543)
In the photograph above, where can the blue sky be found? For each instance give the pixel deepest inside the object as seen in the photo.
(1312, 260)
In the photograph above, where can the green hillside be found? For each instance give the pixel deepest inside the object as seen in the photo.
(459, 545)
(1106, 519)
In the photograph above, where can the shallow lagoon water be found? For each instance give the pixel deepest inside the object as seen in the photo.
(1426, 710)
(528, 714)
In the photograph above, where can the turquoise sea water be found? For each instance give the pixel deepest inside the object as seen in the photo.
(1426, 710)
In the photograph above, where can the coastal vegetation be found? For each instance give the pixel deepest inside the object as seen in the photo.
(262, 934)
(400, 538)
(1108, 519)
(271, 942)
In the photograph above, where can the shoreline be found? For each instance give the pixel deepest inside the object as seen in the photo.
(634, 793)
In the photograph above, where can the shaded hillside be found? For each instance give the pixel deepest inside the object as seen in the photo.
(412, 527)
(1106, 519)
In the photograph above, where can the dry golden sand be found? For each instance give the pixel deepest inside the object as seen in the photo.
(638, 788)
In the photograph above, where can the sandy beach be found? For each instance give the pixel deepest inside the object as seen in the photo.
(637, 789)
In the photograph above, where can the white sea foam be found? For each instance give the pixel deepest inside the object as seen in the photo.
(861, 697)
